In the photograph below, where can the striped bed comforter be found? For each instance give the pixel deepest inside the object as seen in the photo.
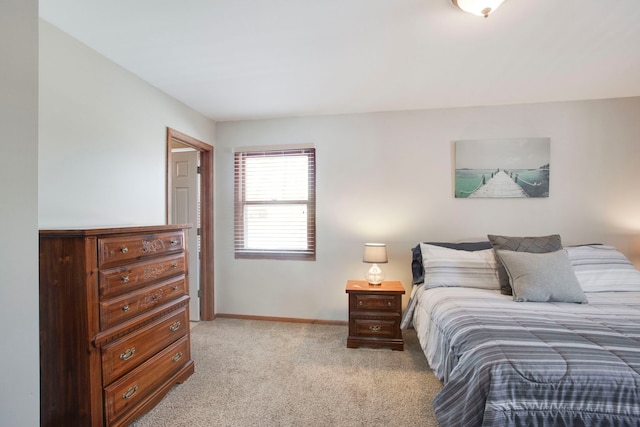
(535, 364)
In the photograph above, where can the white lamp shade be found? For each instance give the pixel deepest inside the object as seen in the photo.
(375, 253)
(478, 7)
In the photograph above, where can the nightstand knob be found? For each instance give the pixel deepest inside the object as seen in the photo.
(375, 328)
(360, 302)
(388, 303)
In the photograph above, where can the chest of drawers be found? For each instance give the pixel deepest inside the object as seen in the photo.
(114, 322)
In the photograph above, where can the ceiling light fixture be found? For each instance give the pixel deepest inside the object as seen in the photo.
(478, 7)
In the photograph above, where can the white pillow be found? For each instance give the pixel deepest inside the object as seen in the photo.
(601, 268)
(445, 267)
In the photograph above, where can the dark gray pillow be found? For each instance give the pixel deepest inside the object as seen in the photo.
(545, 277)
(538, 245)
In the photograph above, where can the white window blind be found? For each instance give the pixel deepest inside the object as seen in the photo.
(275, 204)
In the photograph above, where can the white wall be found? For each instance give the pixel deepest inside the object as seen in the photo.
(102, 153)
(19, 370)
(389, 177)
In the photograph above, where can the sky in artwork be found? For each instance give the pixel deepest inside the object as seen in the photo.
(517, 153)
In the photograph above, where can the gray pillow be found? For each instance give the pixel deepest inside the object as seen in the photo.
(546, 277)
(536, 245)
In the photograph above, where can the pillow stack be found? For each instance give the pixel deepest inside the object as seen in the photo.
(538, 245)
(532, 269)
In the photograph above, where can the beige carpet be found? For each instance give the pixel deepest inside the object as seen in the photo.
(258, 373)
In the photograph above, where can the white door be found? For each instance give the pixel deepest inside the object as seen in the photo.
(185, 184)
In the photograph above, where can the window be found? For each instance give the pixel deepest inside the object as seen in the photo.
(275, 204)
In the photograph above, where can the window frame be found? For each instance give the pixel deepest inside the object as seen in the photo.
(240, 252)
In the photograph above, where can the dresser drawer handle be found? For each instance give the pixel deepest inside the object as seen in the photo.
(175, 288)
(388, 303)
(128, 354)
(375, 328)
(360, 303)
(124, 249)
(125, 279)
(174, 241)
(175, 326)
(125, 307)
(177, 357)
(174, 265)
(130, 392)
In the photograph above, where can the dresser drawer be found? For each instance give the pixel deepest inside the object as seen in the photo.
(370, 302)
(128, 277)
(381, 327)
(116, 310)
(112, 250)
(130, 351)
(131, 390)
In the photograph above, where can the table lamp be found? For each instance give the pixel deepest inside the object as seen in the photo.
(375, 253)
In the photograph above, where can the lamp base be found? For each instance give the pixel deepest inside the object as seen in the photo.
(374, 276)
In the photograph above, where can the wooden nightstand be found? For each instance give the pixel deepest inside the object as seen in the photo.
(374, 314)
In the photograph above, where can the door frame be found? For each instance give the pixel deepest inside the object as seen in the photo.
(207, 308)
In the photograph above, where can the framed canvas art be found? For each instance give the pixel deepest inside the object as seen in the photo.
(490, 168)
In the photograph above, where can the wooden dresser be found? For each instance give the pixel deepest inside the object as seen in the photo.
(114, 322)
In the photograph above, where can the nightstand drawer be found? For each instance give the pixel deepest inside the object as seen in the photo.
(376, 302)
(385, 327)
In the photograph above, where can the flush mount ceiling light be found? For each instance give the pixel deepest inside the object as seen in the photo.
(478, 7)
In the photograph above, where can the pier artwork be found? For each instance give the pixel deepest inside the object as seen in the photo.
(471, 183)
(501, 185)
(504, 168)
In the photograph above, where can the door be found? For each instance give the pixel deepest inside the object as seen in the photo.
(176, 139)
(185, 193)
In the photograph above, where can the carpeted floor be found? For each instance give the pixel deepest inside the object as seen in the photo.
(259, 373)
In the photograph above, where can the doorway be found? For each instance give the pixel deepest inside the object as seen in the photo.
(189, 165)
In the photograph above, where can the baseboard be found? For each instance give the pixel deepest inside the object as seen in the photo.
(281, 319)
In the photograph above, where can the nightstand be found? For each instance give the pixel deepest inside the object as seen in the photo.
(374, 314)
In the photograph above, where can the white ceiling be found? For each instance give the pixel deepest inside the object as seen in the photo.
(246, 59)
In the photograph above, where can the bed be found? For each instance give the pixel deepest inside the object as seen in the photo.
(530, 358)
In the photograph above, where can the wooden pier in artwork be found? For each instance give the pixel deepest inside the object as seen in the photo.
(501, 185)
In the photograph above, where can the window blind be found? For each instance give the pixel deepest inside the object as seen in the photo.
(275, 204)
